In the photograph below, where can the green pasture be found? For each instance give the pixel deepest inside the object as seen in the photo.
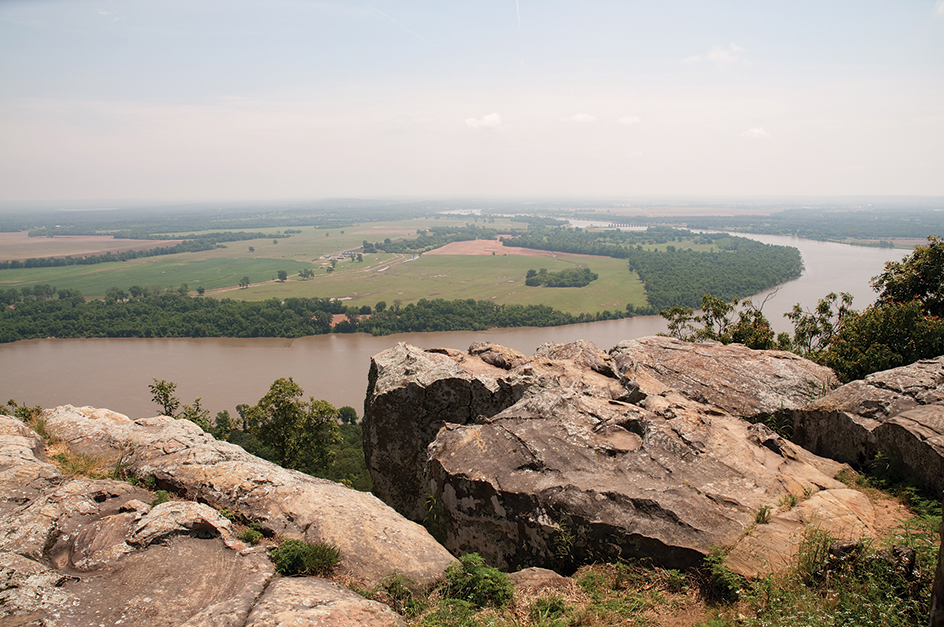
(170, 271)
(499, 278)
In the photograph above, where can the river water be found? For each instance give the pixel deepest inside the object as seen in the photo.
(115, 373)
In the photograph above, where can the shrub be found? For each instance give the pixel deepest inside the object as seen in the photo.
(725, 583)
(296, 557)
(250, 536)
(161, 496)
(401, 597)
(471, 580)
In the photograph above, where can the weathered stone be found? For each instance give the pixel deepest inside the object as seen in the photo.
(572, 472)
(23, 474)
(184, 459)
(92, 552)
(413, 392)
(176, 517)
(183, 581)
(746, 383)
(539, 581)
(309, 602)
(29, 590)
(898, 412)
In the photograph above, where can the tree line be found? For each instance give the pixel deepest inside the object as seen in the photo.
(826, 225)
(568, 277)
(679, 276)
(435, 237)
(43, 311)
(191, 244)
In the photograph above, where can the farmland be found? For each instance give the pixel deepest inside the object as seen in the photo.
(480, 270)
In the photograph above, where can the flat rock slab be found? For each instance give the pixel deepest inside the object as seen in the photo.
(747, 383)
(574, 455)
(898, 412)
(182, 581)
(309, 602)
(184, 459)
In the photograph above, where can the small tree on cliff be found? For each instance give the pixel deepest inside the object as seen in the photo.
(300, 433)
(162, 393)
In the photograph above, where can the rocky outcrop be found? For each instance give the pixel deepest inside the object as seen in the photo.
(79, 551)
(573, 455)
(185, 460)
(898, 412)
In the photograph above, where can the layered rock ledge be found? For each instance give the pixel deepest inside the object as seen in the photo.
(573, 455)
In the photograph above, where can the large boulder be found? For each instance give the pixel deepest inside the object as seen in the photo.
(374, 540)
(413, 392)
(574, 455)
(898, 412)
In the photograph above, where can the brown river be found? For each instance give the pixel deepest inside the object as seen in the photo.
(115, 373)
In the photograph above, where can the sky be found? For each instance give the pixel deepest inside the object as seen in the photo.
(191, 100)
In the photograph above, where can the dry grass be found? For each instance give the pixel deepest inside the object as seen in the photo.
(72, 464)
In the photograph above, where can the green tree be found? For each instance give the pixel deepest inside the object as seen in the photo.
(680, 321)
(183, 289)
(201, 290)
(162, 393)
(884, 336)
(919, 276)
(244, 282)
(282, 275)
(347, 415)
(196, 414)
(300, 433)
(814, 330)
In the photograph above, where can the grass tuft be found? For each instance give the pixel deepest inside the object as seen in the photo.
(297, 557)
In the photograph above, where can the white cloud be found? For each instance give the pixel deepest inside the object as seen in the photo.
(757, 132)
(732, 53)
(939, 7)
(492, 120)
(722, 54)
(103, 12)
(629, 120)
(582, 118)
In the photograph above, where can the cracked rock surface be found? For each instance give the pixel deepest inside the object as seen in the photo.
(574, 455)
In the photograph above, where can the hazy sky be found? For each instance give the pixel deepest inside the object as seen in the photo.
(237, 99)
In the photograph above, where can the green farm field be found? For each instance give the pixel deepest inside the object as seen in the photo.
(213, 269)
(475, 274)
(498, 278)
(166, 272)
